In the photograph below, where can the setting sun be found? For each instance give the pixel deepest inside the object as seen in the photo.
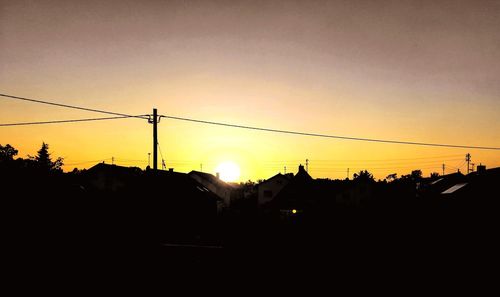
(228, 171)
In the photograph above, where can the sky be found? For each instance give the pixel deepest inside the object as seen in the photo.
(425, 71)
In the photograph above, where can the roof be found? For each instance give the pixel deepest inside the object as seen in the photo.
(114, 170)
(111, 167)
(454, 188)
(437, 185)
(210, 178)
(178, 184)
(298, 192)
(476, 186)
(287, 176)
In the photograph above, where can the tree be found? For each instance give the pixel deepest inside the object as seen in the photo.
(7, 153)
(434, 174)
(392, 177)
(44, 162)
(416, 174)
(363, 175)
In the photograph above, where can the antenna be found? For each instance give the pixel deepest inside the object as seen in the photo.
(149, 160)
(307, 165)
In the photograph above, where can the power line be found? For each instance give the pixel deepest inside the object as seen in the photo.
(86, 162)
(71, 106)
(65, 121)
(371, 163)
(329, 136)
(384, 160)
(255, 128)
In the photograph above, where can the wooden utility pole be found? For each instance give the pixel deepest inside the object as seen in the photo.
(467, 158)
(154, 121)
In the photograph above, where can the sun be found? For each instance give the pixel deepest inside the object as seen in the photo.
(228, 171)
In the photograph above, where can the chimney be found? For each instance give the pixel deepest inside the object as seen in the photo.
(171, 170)
(481, 168)
(218, 175)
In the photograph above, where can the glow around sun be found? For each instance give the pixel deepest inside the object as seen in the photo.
(228, 171)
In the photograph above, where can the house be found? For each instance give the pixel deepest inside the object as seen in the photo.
(225, 191)
(111, 178)
(432, 187)
(477, 187)
(297, 196)
(477, 191)
(176, 193)
(268, 189)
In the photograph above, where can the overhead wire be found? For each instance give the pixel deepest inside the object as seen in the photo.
(64, 121)
(71, 106)
(250, 127)
(327, 135)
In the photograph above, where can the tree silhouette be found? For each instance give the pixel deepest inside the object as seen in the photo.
(363, 175)
(44, 162)
(434, 174)
(392, 177)
(7, 153)
(416, 174)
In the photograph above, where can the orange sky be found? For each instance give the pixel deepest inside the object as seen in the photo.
(406, 70)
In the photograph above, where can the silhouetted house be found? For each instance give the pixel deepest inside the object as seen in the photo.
(480, 187)
(297, 197)
(182, 207)
(431, 188)
(111, 178)
(268, 189)
(225, 191)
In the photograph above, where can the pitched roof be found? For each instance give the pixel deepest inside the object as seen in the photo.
(211, 178)
(114, 170)
(287, 176)
(454, 188)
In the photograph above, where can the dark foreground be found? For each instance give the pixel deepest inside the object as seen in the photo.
(58, 236)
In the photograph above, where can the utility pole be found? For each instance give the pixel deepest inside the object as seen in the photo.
(347, 173)
(467, 158)
(154, 121)
(307, 165)
(112, 160)
(201, 167)
(149, 160)
(443, 168)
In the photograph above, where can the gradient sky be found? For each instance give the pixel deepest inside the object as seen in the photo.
(424, 71)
